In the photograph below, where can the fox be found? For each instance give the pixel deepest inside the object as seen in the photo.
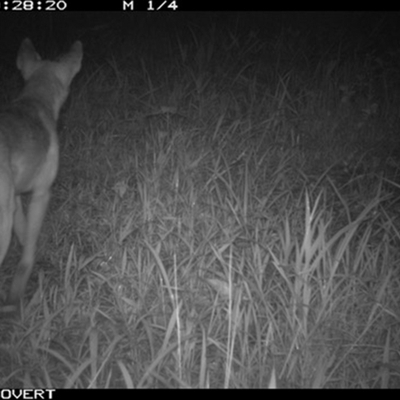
(29, 153)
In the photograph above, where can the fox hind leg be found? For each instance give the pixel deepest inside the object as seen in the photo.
(19, 221)
(35, 215)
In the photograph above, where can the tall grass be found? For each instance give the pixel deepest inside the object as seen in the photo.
(225, 215)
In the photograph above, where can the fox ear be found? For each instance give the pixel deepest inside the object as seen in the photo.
(27, 58)
(76, 53)
(77, 47)
(72, 62)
